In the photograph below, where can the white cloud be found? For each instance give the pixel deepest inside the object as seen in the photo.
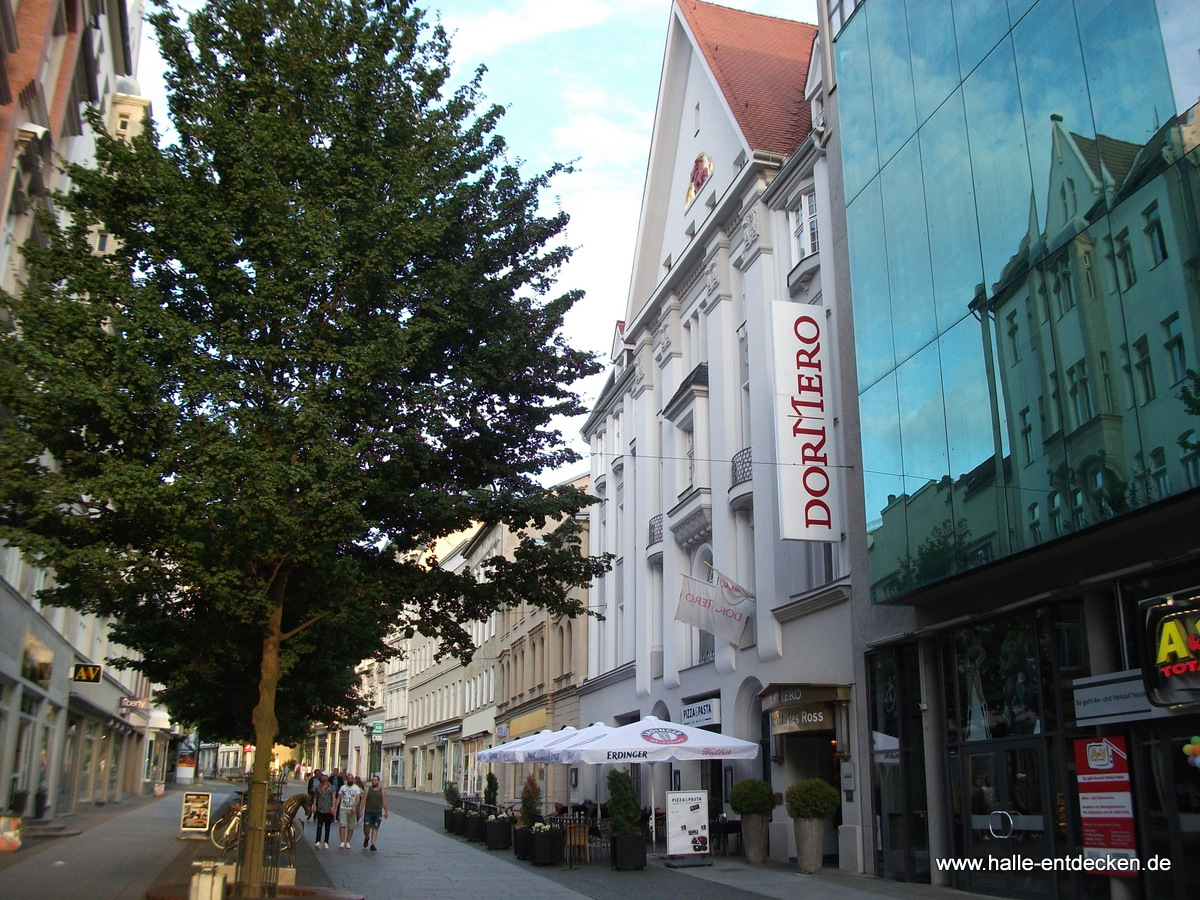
(474, 38)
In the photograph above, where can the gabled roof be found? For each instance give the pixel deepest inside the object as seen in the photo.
(760, 63)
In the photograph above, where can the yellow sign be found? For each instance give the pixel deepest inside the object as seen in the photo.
(88, 674)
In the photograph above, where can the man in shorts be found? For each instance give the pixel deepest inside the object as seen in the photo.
(348, 811)
(374, 812)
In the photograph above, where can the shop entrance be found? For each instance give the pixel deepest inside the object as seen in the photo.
(1007, 817)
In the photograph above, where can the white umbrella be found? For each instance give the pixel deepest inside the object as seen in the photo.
(493, 754)
(557, 751)
(652, 740)
(528, 750)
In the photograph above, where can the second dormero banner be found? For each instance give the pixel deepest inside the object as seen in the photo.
(720, 607)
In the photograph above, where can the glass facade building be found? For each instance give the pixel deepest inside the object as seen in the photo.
(1022, 219)
(1021, 187)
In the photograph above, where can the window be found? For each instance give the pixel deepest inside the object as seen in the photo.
(1013, 343)
(1154, 234)
(1064, 290)
(689, 439)
(1082, 405)
(1158, 472)
(1173, 343)
(805, 240)
(1055, 409)
(1143, 382)
(1190, 459)
(1056, 522)
(1126, 273)
(1035, 523)
(1078, 514)
(1027, 436)
(1066, 195)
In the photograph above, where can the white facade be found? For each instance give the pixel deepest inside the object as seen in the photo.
(683, 436)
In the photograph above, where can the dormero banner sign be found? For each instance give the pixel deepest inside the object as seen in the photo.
(808, 474)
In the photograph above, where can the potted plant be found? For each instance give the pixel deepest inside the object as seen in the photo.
(628, 845)
(531, 801)
(453, 801)
(491, 791)
(753, 800)
(476, 825)
(809, 803)
(498, 832)
(546, 845)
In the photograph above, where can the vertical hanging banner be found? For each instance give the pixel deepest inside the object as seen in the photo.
(808, 474)
(1105, 801)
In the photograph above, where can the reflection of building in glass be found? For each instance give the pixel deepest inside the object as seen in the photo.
(1021, 185)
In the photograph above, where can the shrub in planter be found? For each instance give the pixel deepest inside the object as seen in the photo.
(520, 841)
(476, 823)
(753, 800)
(451, 793)
(531, 801)
(491, 791)
(628, 844)
(809, 803)
(547, 844)
(499, 832)
(460, 822)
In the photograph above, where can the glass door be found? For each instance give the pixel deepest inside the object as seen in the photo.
(1007, 819)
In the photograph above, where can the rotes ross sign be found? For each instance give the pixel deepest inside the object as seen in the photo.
(808, 474)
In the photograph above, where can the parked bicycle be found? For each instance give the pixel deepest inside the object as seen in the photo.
(227, 830)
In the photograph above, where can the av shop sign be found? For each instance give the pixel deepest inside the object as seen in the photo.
(808, 464)
(1105, 800)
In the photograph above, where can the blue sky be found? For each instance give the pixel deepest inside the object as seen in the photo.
(579, 80)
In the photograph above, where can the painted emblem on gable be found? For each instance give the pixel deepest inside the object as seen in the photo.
(702, 168)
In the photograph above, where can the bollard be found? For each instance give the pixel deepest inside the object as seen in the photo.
(208, 883)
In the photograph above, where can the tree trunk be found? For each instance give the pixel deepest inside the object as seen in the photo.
(266, 729)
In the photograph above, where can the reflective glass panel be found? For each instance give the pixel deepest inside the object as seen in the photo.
(891, 77)
(957, 268)
(978, 26)
(869, 274)
(907, 238)
(1000, 163)
(934, 54)
(856, 110)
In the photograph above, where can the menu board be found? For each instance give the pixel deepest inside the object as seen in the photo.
(196, 808)
(687, 823)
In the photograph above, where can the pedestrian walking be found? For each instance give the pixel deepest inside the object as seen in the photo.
(325, 804)
(336, 779)
(314, 782)
(374, 812)
(349, 798)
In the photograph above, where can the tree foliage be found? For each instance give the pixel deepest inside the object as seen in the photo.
(324, 335)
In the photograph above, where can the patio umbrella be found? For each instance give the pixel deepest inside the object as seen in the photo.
(652, 740)
(493, 754)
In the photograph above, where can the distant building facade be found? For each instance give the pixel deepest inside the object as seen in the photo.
(65, 744)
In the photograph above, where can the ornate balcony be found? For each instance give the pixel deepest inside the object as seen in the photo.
(741, 490)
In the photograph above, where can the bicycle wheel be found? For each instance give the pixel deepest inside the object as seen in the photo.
(227, 830)
(292, 835)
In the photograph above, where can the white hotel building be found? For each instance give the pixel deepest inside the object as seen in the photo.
(683, 436)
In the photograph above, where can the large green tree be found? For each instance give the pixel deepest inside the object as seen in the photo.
(324, 334)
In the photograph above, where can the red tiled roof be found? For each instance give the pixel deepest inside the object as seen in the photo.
(761, 64)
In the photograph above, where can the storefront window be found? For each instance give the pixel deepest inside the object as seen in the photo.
(898, 764)
(998, 679)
